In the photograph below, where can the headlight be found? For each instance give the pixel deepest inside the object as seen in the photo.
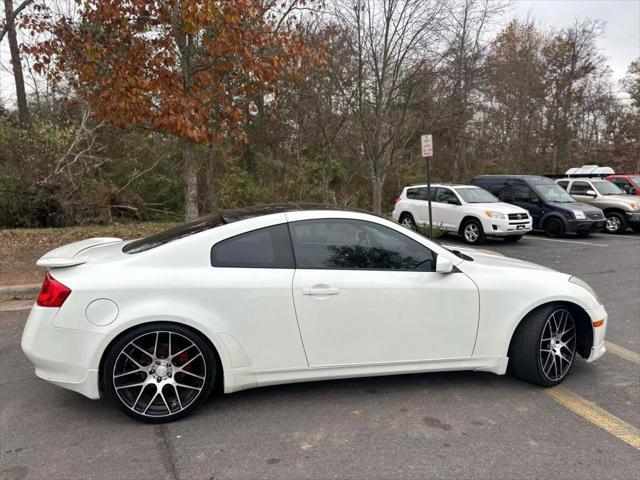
(496, 215)
(579, 214)
(586, 286)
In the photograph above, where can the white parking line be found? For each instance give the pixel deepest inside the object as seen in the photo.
(566, 241)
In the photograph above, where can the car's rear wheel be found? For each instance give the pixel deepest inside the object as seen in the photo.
(554, 227)
(159, 372)
(512, 238)
(472, 232)
(616, 223)
(406, 219)
(544, 346)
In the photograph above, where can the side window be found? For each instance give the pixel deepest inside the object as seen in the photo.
(345, 244)
(522, 193)
(268, 247)
(423, 193)
(412, 193)
(579, 188)
(563, 183)
(445, 195)
(623, 184)
(506, 193)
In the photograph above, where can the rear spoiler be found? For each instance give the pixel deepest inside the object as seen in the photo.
(69, 255)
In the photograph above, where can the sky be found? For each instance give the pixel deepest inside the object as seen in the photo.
(620, 43)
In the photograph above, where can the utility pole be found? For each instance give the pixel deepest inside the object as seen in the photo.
(426, 142)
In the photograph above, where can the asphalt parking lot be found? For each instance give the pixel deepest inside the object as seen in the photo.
(447, 425)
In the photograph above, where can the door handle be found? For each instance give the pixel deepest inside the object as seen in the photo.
(321, 290)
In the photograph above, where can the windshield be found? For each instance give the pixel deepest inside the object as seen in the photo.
(554, 193)
(605, 187)
(636, 180)
(476, 195)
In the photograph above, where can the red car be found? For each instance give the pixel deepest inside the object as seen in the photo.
(630, 184)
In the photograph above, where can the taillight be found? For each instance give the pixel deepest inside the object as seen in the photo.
(398, 199)
(53, 293)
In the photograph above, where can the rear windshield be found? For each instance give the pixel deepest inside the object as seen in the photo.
(181, 231)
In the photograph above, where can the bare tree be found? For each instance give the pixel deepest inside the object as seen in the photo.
(9, 28)
(391, 41)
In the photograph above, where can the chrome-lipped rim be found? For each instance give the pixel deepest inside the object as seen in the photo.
(159, 373)
(557, 345)
(471, 232)
(613, 224)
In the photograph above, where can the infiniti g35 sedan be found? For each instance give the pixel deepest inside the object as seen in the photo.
(294, 293)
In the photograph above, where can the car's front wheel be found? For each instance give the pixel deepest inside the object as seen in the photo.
(616, 223)
(472, 232)
(544, 346)
(554, 227)
(159, 372)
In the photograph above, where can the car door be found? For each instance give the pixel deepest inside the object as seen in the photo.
(422, 204)
(525, 197)
(449, 210)
(579, 189)
(367, 294)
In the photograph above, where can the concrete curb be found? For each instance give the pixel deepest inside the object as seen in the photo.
(19, 292)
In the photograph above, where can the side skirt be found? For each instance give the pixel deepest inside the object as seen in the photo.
(242, 380)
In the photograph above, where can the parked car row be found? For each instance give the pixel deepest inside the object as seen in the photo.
(508, 206)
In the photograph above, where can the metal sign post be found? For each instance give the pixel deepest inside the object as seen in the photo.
(426, 142)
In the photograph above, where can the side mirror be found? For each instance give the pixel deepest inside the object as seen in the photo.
(591, 193)
(443, 264)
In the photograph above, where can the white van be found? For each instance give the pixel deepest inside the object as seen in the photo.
(467, 210)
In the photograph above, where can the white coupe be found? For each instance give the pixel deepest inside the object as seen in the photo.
(294, 293)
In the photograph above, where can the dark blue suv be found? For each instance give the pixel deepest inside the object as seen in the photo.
(552, 209)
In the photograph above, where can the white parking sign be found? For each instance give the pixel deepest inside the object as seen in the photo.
(427, 145)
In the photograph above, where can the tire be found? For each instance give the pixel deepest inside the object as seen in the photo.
(472, 232)
(406, 219)
(537, 354)
(616, 223)
(512, 238)
(554, 227)
(159, 372)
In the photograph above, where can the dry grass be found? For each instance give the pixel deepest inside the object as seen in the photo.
(20, 248)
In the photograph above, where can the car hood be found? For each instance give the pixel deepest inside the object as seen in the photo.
(577, 206)
(494, 259)
(500, 207)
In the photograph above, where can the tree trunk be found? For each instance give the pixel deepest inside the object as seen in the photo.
(190, 181)
(376, 191)
(21, 95)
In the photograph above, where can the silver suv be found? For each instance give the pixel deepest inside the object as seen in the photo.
(620, 210)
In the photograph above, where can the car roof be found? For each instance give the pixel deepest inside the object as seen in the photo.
(439, 184)
(535, 179)
(223, 217)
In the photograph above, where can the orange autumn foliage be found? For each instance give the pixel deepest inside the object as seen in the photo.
(186, 67)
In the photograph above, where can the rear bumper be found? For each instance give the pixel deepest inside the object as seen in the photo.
(62, 356)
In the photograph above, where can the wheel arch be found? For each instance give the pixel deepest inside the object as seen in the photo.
(584, 330)
(466, 218)
(220, 365)
(613, 210)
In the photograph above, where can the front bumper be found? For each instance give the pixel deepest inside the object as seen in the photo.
(580, 226)
(62, 356)
(501, 228)
(633, 217)
(598, 347)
